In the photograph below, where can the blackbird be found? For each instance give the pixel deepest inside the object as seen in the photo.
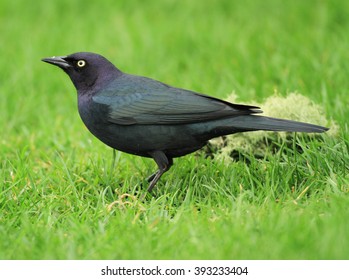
(148, 118)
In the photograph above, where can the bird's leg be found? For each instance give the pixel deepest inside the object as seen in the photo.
(151, 177)
(164, 163)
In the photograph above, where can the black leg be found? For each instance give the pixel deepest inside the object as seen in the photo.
(164, 163)
(151, 177)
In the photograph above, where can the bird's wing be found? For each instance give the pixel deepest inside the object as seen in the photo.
(158, 103)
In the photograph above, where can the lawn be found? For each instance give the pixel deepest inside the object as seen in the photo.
(65, 195)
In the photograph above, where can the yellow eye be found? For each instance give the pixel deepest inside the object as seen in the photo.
(81, 63)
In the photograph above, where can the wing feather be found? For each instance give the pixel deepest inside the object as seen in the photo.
(151, 102)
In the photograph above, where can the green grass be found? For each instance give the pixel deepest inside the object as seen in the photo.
(62, 194)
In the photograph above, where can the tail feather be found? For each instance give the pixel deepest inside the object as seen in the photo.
(253, 122)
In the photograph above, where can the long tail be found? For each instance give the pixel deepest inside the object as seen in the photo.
(253, 122)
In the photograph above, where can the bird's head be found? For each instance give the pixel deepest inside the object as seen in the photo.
(86, 70)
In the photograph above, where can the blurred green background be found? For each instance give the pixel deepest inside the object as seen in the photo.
(57, 180)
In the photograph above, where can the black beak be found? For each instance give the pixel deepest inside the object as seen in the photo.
(58, 61)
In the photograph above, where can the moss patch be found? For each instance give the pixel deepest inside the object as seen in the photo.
(294, 107)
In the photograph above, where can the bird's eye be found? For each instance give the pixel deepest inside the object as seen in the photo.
(81, 63)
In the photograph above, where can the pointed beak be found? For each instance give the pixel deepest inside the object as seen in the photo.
(58, 61)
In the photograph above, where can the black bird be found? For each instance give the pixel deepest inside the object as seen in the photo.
(148, 118)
